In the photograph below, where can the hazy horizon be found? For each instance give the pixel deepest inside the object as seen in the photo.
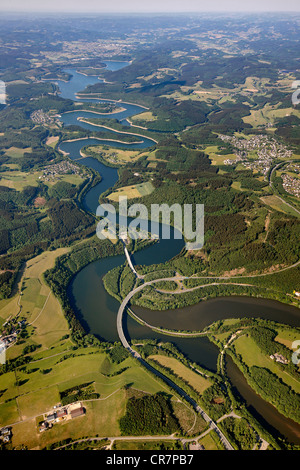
(155, 6)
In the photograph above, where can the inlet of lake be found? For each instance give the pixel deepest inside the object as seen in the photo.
(97, 310)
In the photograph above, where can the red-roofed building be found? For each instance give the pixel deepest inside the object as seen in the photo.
(77, 412)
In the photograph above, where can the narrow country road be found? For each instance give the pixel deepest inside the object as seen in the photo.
(137, 356)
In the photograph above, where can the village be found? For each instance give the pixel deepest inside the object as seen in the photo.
(266, 148)
(104, 48)
(40, 117)
(290, 182)
(62, 168)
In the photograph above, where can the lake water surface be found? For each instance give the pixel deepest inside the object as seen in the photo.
(97, 310)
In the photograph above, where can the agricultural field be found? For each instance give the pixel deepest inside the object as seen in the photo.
(36, 302)
(269, 114)
(216, 159)
(33, 389)
(107, 412)
(277, 204)
(196, 381)
(10, 307)
(15, 152)
(52, 141)
(147, 116)
(115, 156)
(152, 158)
(221, 94)
(18, 180)
(253, 356)
(133, 191)
(38, 392)
(286, 337)
(72, 179)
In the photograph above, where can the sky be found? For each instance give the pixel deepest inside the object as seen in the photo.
(164, 6)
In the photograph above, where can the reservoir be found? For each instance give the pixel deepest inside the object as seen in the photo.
(97, 310)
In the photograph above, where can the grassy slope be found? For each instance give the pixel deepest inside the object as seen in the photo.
(31, 394)
(253, 356)
(41, 392)
(198, 382)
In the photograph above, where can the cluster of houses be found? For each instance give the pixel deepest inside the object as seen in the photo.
(279, 358)
(103, 47)
(5, 434)
(267, 149)
(61, 168)
(40, 117)
(12, 327)
(9, 333)
(291, 184)
(61, 414)
(7, 341)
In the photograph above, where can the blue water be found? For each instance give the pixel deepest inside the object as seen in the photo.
(98, 311)
(79, 82)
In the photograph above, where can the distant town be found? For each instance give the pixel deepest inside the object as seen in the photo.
(267, 149)
(291, 183)
(40, 117)
(61, 168)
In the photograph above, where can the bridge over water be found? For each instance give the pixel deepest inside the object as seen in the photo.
(137, 356)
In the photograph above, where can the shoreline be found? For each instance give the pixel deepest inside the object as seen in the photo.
(134, 125)
(114, 130)
(99, 138)
(55, 79)
(97, 126)
(87, 75)
(120, 110)
(79, 95)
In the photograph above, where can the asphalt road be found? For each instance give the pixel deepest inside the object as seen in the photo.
(169, 382)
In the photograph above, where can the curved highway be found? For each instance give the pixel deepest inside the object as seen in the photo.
(173, 385)
(136, 355)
